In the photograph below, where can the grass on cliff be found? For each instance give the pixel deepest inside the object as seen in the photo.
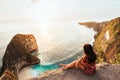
(101, 44)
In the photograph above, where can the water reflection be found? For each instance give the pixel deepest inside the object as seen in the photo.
(57, 43)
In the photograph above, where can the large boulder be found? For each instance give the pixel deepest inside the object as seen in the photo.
(17, 56)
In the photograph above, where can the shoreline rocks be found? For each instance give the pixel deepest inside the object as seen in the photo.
(18, 55)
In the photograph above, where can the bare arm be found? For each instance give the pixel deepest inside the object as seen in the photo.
(80, 64)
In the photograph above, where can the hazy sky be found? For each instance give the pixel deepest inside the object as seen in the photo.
(27, 11)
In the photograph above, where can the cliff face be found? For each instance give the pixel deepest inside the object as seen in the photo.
(17, 56)
(104, 71)
(97, 26)
(107, 42)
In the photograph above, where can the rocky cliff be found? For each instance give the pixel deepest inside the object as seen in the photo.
(17, 56)
(104, 71)
(107, 42)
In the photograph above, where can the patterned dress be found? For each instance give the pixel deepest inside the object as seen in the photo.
(87, 67)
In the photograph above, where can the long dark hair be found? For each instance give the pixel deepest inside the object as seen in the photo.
(88, 49)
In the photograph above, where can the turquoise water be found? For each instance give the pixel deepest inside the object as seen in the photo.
(39, 69)
(42, 68)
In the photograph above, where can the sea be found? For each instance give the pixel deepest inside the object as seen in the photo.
(55, 25)
(57, 43)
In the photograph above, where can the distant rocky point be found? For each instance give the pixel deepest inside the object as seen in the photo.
(18, 55)
(97, 26)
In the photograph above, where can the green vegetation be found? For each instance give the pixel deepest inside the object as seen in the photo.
(108, 49)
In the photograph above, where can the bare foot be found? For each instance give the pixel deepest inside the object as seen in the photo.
(64, 68)
(63, 65)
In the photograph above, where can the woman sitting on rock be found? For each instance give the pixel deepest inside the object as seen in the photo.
(86, 63)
